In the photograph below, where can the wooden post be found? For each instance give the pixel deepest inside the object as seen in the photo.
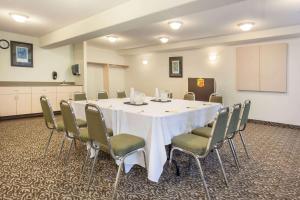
(106, 78)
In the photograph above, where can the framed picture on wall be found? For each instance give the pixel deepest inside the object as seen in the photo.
(21, 54)
(175, 67)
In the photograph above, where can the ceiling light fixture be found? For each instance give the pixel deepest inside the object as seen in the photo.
(164, 40)
(19, 17)
(213, 57)
(145, 62)
(247, 26)
(112, 38)
(175, 25)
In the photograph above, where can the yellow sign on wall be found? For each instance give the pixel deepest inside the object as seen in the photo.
(200, 82)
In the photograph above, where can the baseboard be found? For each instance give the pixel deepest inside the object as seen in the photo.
(25, 116)
(282, 125)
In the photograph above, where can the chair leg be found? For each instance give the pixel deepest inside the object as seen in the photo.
(243, 141)
(61, 147)
(84, 163)
(68, 154)
(117, 178)
(171, 156)
(190, 163)
(47, 145)
(222, 168)
(234, 154)
(173, 161)
(144, 153)
(75, 145)
(202, 177)
(92, 170)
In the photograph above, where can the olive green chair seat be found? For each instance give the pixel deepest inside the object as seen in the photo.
(199, 147)
(102, 95)
(84, 134)
(80, 97)
(80, 123)
(118, 146)
(121, 94)
(190, 142)
(122, 144)
(204, 132)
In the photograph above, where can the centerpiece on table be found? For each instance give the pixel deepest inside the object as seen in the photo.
(136, 98)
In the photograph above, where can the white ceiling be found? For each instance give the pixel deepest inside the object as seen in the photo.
(220, 21)
(49, 15)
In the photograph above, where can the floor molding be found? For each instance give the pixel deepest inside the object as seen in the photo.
(25, 116)
(268, 123)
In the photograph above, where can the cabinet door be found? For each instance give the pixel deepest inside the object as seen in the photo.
(23, 104)
(273, 62)
(60, 97)
(247, 63)
(36, 105)
(8, 105)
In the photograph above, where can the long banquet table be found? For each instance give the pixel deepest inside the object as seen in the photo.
(156, 122)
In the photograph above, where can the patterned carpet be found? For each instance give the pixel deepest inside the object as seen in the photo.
(273, 172)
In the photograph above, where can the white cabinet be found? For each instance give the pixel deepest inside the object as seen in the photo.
(37, 92)
(15, 101)
(247, 68)
(26, 100)
(8, 105)
(23, 104)
(273, 70)
(262, 68)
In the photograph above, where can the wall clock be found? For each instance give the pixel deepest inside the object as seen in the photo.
(4, 44)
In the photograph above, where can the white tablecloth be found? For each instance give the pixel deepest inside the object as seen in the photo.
(156, 122)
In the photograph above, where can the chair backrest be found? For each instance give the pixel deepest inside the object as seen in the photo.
(48, 113)
(121, 94)
(234, 119)
(96, 124)
(219, 127)
(170, 95)
(245, 114)
(69, 119)
(96, 127)
(102, 95)
(189, 96)
(80, 97)
(215, 98)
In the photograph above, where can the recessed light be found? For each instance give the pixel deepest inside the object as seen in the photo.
(175, 25)
(213, 57)
(145, 62)
(164, 40)
(19, 17)
(246, 26)
(112, 38)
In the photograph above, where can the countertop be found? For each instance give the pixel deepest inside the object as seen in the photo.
(34, 84)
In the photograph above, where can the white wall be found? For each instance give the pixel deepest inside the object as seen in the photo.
(116, 80)
(44, 60)
(94, 81)
(116, 74)
(276, 107)
(99, 55)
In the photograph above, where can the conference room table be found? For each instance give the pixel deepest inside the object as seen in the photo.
(157, 123)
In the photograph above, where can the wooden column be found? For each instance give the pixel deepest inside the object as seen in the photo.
(106, 77)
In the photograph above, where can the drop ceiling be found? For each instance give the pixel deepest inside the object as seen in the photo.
(49, 15)
(266, 14)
